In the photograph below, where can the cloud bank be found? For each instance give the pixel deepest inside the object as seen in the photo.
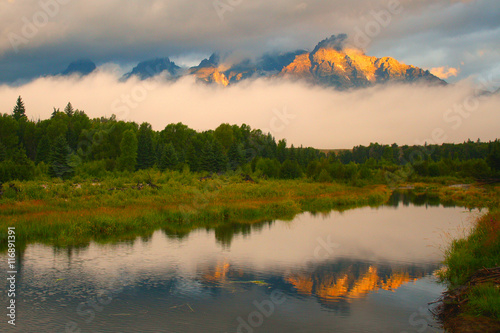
(304, 115)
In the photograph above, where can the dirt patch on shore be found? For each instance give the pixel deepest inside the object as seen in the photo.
(454, 302)
(470, 324)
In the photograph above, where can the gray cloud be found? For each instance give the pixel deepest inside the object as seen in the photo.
(426, 33)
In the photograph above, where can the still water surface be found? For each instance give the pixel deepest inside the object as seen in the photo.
(363, 270)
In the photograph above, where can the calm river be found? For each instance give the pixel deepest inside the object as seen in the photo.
(362, 270)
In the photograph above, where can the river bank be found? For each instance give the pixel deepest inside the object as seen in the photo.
(75, 213)
(63, 213)
(472, 273)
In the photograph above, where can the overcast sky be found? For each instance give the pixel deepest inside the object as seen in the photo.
(456, 40)
(49, 34)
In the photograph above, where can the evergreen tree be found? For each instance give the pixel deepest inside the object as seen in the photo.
(8, 131)
(207, 157)
(281, 150)
(69, 109)
(43, 150)
(292, 154)
(168, 159)
(27, 136)
(19, 110)
(145, 154)
(59, 166)
(128, 151)
(3, 152)
(220, 158)
(55, 112)
(193, 158)
(236, 156)
(494, 156)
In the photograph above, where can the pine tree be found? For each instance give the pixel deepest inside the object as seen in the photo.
(220, 158)
(9, 128)
(69, 109)
(54, 113)
(43, 150)
(281, 151)
(493, 158)
(145, 154)
(128, 151)
(59, 166)
(19, 110)
(169, 158)
(207, 158)
(236, 156)
(193, 159)
(3, 152)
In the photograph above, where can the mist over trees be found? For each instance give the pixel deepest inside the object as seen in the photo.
(71, 144)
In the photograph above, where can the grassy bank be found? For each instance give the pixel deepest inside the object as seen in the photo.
(70, 213)
(472, 273)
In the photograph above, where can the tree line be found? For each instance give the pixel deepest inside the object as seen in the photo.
(70, 144)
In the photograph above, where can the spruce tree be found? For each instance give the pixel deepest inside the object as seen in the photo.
(43, 150)
(281, 151)
(19, 110)
(193, 159)
(236, 156)
(128, 151)
(145, 154)
(59, 166)
(207, 157)
(220, 158)
(69, 109)
(493, 158)
(169, 158)
(3, 152)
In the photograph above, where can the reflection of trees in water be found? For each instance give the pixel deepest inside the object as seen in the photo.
(176, 234)
(407, 197)
(225, 233)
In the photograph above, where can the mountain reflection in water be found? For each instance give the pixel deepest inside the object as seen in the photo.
(361, 270)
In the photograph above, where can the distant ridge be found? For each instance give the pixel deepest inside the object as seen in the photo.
(81, 67)
(147, 69)
(331, 63)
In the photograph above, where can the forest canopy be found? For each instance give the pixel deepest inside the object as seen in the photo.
(71, 144)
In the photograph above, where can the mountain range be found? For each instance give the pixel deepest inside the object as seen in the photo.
(331, 63)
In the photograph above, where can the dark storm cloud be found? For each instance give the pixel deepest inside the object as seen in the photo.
(425, 33)
(463, 35)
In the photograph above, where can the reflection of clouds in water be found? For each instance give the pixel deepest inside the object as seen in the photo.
(164, 278)
(405, 235)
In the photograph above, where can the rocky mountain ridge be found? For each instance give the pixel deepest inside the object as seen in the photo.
(331, 63)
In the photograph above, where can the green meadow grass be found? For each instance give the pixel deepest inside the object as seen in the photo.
(74, 213)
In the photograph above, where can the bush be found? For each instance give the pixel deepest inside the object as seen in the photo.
(94, 169)
(324, 177)
(290, 170)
